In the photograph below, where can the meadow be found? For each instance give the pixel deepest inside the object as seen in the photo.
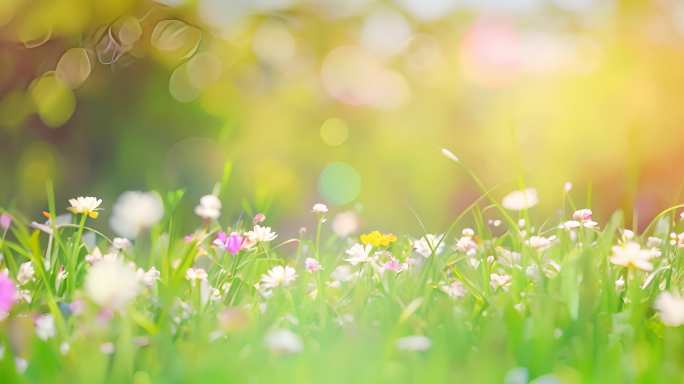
(255, 191)
(513, 299)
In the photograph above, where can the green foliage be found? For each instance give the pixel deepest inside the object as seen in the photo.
(561, 314)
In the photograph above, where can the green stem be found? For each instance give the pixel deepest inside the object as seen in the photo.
(318, 237)
(73, 257)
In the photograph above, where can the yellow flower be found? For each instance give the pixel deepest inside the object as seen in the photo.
(378, 239)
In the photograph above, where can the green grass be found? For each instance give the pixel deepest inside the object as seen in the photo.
(570, 324)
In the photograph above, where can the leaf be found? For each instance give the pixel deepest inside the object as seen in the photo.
(410, 309)
(227, 171)
(652, 276)
(45, 362)
(74, 67)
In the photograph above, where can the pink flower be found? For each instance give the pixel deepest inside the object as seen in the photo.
(582, 214)
(259, 218)
(8, 294)
(312, 265)
(5, 221)
(76, 307)
(231, 243)
(393, 265)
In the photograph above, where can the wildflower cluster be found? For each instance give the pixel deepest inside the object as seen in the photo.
(222, 285)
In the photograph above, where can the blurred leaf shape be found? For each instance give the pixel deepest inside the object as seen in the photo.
(34, 34)
(15, 107)
(181, 87)
(74, 67)
(53, 99)
(177, 37)
(204, 69)
(8, 8)
(129, 31)
(108, 50)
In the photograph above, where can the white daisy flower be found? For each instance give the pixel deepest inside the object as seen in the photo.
(278, 276)
(519, 200)
(261, 234)
(26, 273)
(96, 256)
(134, 212)
(500, 280)
(426, 244)
(112, 283)
(580, 218)
(467, 245)
(88, 206)
(319, 208)
(148, 278)
(194, 275)
(631, 255)
(358, 254)
(121, 243)
(454, 290)
(584, 214)
(209, 207)
(677, 239)
(570, 224)
(670, 309)
(540, 243)
(508, 258)
(283, 341)
(45, 327)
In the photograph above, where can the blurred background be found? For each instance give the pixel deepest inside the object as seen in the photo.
(345, 102)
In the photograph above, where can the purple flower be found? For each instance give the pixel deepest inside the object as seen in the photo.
(8, 294)
(5, 221)
(231, 243)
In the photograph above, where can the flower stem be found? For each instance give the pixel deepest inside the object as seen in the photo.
(75, 250)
